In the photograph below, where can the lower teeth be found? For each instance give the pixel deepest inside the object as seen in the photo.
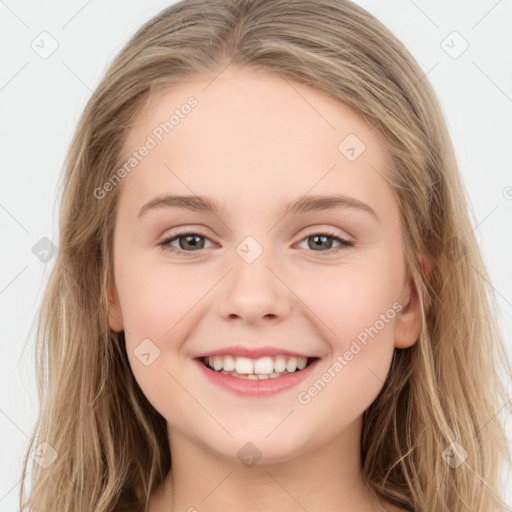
(252, 376)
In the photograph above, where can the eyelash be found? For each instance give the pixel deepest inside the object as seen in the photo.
(165, 244)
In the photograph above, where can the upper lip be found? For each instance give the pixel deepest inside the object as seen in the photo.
(251, 352)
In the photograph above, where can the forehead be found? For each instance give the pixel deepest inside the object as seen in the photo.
(252, 132)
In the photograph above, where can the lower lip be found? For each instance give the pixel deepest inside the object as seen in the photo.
(251, 387)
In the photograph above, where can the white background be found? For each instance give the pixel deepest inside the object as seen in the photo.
(41, 100)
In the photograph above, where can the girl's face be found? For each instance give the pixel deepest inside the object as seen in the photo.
(253, 274)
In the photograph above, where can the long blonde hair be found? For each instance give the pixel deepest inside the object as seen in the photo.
(107, 445)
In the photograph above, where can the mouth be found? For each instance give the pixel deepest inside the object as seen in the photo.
(263, 368)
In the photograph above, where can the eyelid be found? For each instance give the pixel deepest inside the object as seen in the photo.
(307, 232)
(314, 229)
(344, 243)
(338, 232)
(165, 241)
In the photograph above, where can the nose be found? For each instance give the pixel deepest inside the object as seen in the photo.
(254, 293)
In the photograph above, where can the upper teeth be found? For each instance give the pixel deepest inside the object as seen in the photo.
(261, 366)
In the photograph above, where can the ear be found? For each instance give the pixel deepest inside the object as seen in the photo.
(115, 316)
(409, 319)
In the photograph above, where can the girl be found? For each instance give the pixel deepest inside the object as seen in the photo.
(267, 294)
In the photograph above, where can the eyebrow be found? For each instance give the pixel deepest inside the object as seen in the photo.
(302, 204)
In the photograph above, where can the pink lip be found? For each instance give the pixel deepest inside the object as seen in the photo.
(252, 352)
(247, 387)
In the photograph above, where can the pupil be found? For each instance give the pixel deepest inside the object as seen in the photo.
(324, 239)
(193, 245)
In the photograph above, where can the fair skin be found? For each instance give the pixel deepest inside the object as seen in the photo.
(253, 143)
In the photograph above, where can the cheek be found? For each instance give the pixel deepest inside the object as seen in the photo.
(361, 348)
(154, 303)
(358, 305)
(156, 297)
(155, 313)
(355, 298)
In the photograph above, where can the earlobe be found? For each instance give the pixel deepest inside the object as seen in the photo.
(409, 320)
(115, 317)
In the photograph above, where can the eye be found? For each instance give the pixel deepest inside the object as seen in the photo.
(325, 240)
(192, 241)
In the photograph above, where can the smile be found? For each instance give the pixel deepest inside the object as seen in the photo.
(256, 377)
